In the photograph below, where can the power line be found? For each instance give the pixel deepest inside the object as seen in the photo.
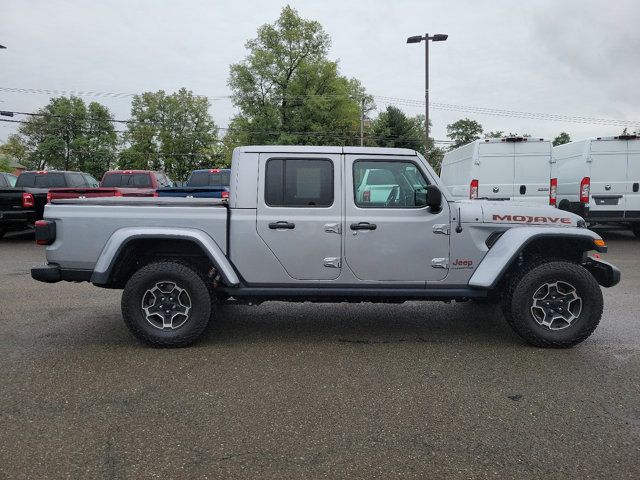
(347, 136)
(388, 100)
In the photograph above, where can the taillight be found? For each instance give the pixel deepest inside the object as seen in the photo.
(45, 232)
(118, 193)
(225, 194)
(553, 191)
(366, 196)
(473, 189)
(155, 194)
(48, 197)
(585, 187)
(27, 200)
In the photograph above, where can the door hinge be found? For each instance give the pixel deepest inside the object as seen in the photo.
(332, 228)
(441, 228)
(440, 263)
(332, 262)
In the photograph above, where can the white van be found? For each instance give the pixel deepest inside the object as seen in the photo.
(513, 168)
(599, 179)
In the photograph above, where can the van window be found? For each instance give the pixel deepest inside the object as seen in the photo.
(299, 183)
(391, 184)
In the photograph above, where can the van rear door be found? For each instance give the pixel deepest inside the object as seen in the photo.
(633, 179)
(608, 177)
(532, 171)
(494, 170)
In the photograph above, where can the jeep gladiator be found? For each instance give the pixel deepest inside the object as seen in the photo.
(295, 229)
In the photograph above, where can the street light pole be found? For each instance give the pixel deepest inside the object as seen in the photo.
(426, 96)
(439, 37)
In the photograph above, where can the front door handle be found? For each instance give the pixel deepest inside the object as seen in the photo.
(363, 226)
(283, 225)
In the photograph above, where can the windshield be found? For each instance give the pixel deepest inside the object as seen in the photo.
(41, 180)
(131, 180)
(209, 179)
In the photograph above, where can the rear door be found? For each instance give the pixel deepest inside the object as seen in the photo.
(494, 170)
(300, 213)
(608, 176)
(532, 171)
(633, 179)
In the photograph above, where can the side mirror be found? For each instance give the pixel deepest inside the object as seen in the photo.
(434, 198)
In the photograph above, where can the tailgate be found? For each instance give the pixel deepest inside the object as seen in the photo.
(66, 193)
(10, 198)
(192, 192)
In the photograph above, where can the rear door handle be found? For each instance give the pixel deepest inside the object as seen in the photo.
(282, 224)
(363, 226)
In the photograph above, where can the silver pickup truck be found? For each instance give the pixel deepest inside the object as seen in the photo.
(298, 226)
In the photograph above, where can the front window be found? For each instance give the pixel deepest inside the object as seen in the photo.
(387, 184)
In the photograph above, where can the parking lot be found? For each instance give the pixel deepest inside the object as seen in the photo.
(425, 390)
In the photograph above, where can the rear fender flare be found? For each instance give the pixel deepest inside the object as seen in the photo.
(512, 242)
(122, 237)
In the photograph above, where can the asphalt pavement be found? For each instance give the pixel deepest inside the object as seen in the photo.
(415, 390)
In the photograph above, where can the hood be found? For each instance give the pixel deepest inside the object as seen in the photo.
(508, 212)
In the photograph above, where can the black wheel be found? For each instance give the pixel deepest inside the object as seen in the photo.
(556, 304)
(167, 304)
(2, 232)
(635, 228)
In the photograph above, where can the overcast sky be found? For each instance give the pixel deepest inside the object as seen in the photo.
(569, 57)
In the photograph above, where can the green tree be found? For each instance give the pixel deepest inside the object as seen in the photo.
(15, 148)
(288, 91)
(561, 139)
(496, 134)
(68, 135)
(5, 165)
(174, 133)
(463, 131)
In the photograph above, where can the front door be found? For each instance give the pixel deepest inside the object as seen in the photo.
(300, 213)
(387, 237)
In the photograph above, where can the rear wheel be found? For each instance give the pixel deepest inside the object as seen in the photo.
(167, 304)
(557, 304)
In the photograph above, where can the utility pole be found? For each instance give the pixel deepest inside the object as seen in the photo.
(362, 122)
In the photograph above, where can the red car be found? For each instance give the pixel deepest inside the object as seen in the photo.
(118, 183)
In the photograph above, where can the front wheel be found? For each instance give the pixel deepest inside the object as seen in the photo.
(167, 304)
(555, 304)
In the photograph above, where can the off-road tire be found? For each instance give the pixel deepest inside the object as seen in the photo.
(185, 277)
(518, 301)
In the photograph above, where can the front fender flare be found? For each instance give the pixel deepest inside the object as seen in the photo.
(511, 243)
(121, 237)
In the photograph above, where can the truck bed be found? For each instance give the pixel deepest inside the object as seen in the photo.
(93, 221)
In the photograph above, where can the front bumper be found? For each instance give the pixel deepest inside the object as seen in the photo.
(606, 274)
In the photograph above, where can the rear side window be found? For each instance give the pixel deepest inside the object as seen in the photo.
(41, 180)
(209, 179)
(92, 182)
(76, 180)
(299, 183)
(131, 180)
(3, 181)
